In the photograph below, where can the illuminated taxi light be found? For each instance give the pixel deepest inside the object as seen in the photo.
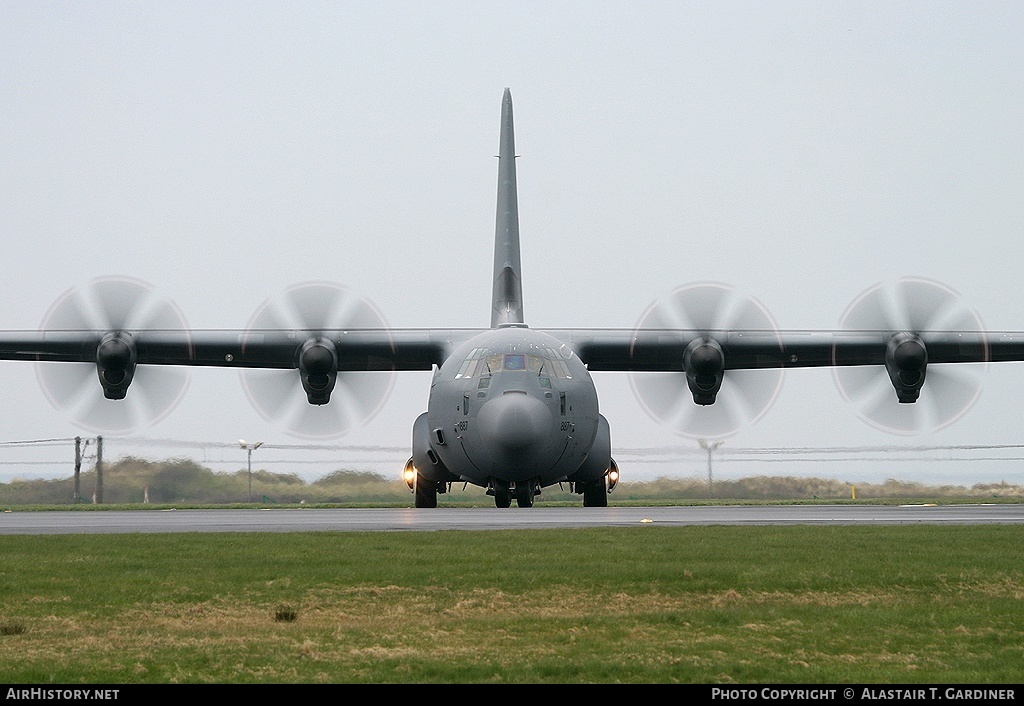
(409, 476)
(613, 477)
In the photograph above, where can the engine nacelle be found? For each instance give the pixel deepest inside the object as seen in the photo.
(704, 363)
(906, 360)
(318, 369)
(115, 364)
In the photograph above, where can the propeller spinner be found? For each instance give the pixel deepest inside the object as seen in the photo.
(116, 309)
(705, 400)
(926, 397)
(317, 400)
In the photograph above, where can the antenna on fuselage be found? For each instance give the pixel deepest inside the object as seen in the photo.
(507, 295)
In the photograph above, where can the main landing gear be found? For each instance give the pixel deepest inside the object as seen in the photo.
(595, 493)
(425, 490)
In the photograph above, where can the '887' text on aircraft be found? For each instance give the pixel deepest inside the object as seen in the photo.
(512, 409)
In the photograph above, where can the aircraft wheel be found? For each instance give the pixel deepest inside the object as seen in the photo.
(502, 495)
(426, 492)
(524, 494)
(595, 494)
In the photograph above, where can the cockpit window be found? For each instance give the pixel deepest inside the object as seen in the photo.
(483, 363)
(515, 361)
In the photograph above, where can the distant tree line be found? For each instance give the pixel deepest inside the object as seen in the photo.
(134, 480)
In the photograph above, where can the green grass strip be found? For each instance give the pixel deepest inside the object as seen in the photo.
(647, 604)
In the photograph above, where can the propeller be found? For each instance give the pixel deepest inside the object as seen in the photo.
(911, 305)
(105, 305)
(708, 309)
(317, 309)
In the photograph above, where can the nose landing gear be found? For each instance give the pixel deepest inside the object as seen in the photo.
(503, 492)
(525, 492)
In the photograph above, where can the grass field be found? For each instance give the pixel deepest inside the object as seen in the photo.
(638, 605)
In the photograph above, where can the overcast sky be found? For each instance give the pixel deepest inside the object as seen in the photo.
(799, 151)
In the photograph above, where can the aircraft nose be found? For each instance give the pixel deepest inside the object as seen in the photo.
(514, 426)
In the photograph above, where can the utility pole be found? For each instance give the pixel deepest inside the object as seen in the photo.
(78, 468)
(99, 470)
(710, 446)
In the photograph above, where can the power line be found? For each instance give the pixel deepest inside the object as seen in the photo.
(803, 450)
(371, 454)
(183, 443)
(37, 442)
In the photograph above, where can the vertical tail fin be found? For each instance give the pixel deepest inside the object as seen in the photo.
(507, 295)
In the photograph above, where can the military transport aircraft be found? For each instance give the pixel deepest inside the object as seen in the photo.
(514, 409)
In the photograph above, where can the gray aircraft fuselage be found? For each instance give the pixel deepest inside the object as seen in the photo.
(511, 409)
(519, 405)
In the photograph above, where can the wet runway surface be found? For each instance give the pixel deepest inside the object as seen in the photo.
(409, 519)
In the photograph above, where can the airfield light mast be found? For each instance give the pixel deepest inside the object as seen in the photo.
(250, 448)
(710, 447)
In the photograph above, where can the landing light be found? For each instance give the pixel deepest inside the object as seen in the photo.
(613, 476)
(409, 475)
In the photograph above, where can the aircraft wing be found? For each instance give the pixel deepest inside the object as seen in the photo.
(701, 361)
(706, 358)
(93, 368)
(371, 349)
(664, 350)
